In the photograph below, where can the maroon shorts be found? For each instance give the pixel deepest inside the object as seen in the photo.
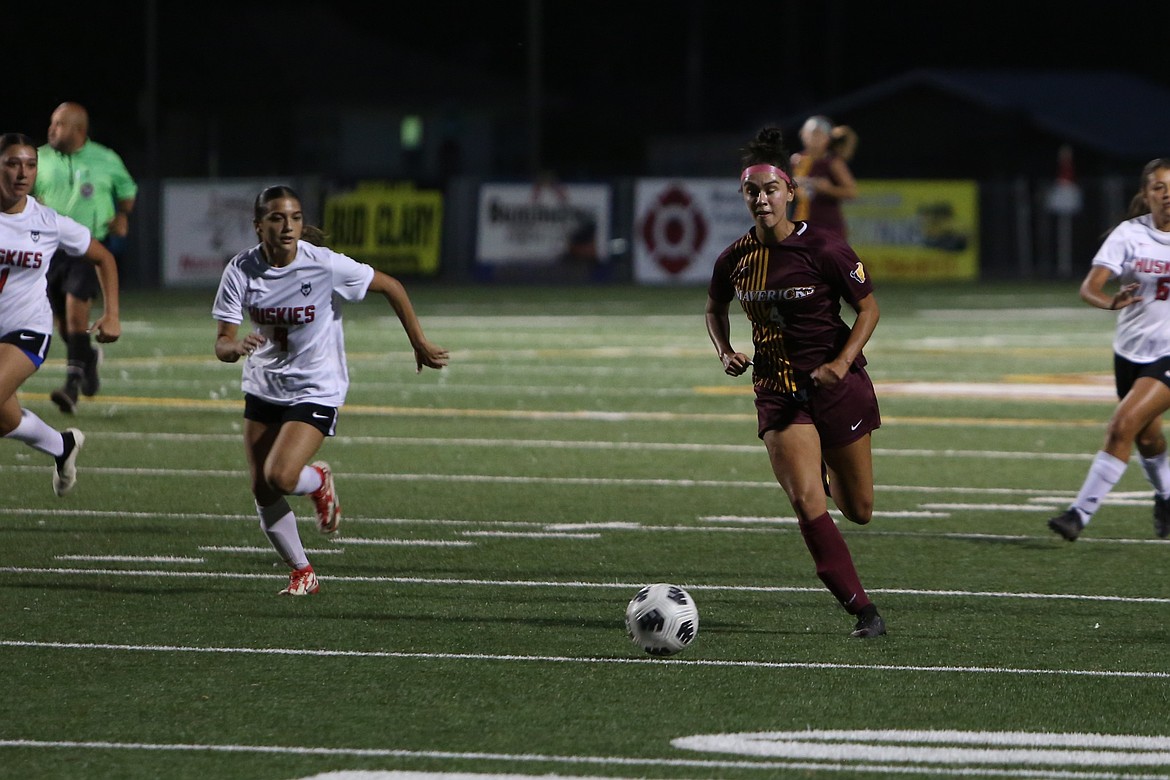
(842, 414)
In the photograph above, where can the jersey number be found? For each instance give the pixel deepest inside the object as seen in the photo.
(776, 318)
(1163, 288)
(3, 278)
(280, 335)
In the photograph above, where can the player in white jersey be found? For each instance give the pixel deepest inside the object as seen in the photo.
(1136, 254)
(29, 235)
(295, 374)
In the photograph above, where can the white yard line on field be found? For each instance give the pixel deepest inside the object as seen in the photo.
(596, 660)
(624, 586)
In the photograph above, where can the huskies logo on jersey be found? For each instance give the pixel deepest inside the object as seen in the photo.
(306, 288)
(35, 234)
(282, 315)
(858, 273)
(21, 258)
(1150, 265)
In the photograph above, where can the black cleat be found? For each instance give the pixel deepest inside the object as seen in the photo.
(65, 397)
(869, 624)
(1068, 524)
(1161, 516)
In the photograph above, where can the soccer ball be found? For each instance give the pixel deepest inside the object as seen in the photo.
(662, 619)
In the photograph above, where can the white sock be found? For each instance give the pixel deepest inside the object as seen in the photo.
(1103, 475)
(1157, 471)
(309, 480)
(38, 434)
(279, 524)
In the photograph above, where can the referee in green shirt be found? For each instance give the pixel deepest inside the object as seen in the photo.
(82, 179)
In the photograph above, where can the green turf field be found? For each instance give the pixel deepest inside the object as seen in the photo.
(499, 515)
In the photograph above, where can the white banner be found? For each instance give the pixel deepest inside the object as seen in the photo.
(205, 224)
(681, 226)
(543, 223)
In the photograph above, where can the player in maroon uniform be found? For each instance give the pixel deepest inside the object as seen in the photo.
(821, 172)
(815, 403)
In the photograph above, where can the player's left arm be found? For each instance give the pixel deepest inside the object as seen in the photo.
(109, 325)
(425, 353)
(863, 327)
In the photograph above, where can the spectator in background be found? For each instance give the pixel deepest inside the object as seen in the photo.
(815, 404)
(29, 235)
(87, 182)
(295, 374)
(821, 172)
(1136, 254)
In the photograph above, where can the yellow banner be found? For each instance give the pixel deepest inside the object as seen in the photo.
(916, 230)
(395, 228)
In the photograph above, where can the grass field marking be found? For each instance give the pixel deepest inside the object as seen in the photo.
(1007, 390)
(130, 558)
(342, 541)
(266, 550)
(785, 520)
(531, 534)
(749, 525)
(512, 479)
(1016, 391)
(709, 764)
(579, 584)
(642, 660)
(1039, 508)
(109, 403)
(598, 444)
(896, 747)
(405, 774)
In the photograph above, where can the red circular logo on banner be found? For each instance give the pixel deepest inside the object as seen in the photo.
(674, 230)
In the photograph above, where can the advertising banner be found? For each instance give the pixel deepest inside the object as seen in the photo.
(543, 224)
(916, 229)
(395, 228)
(681, 226)
(205, 224)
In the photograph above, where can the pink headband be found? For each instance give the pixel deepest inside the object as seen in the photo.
(765, 168)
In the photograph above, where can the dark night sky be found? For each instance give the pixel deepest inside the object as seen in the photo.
(613, 73)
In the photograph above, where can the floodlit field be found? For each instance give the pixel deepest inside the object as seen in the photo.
(498, 515)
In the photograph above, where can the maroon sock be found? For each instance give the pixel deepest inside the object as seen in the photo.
(834, 563)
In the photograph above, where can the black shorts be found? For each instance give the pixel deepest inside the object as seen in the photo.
(35, 345)
(1126, 372)
(323, 418)
(842, 413)
(72, 275)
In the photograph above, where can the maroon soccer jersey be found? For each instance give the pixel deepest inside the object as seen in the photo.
(792, 295)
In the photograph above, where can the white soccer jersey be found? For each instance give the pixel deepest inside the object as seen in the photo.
(303, 359)
(28, 241)
(1136, 251)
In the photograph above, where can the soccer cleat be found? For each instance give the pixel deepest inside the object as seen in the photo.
(1068, 524)
(65, 397)
(65, 473)
(301, 582)
(325, 500)
(90, 381)
(869, 624)
(1161, 516)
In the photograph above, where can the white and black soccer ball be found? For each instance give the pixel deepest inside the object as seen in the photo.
(662, 619)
